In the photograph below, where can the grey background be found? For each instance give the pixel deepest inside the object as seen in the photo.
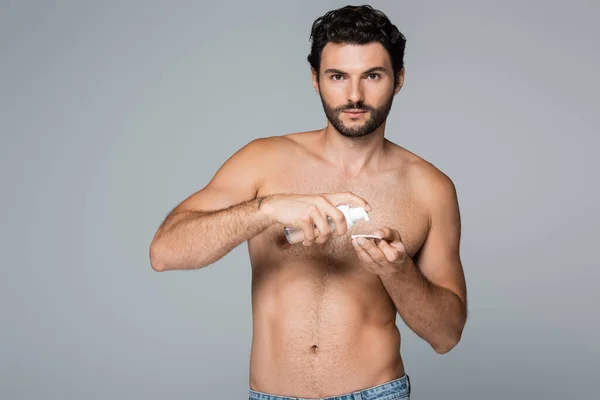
(113, 112)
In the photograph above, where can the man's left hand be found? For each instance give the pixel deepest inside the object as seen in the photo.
(385, 256)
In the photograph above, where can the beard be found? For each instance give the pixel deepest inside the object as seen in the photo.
(377, 116)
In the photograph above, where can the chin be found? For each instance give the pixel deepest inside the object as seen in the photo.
(354, 134)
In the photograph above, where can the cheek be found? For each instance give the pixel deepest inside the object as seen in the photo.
(376, 96)
(333, 94)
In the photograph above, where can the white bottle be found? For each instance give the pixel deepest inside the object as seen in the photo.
(352, 214)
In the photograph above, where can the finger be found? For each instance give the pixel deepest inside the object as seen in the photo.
(322, 225)
(384, 232)
(338, 218)
(388, 234)
(308, 228)
(362, 254)
(374, 251)
(391, 254)
(350, 198)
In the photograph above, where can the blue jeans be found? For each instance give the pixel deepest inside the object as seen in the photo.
(392, 390)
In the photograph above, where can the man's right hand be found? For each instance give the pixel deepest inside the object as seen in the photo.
(307, 211)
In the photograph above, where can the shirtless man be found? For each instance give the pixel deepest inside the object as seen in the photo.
(324, 310)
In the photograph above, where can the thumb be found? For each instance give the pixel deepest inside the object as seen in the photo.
(397, 245)
(349, 198)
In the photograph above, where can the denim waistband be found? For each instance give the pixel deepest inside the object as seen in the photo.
(396, 389)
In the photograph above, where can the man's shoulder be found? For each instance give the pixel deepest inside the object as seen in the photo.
(266, 143)
(278, 147)
(427, 181)
(425, 173)
(276, 142)
(261, 151)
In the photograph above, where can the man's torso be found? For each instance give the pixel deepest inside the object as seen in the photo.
(323, 325)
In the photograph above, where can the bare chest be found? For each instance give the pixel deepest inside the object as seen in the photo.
(394, 206)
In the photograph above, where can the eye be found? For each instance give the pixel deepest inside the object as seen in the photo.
(336, 77)
(373, 76)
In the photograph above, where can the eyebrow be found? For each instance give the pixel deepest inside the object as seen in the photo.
(339, 71)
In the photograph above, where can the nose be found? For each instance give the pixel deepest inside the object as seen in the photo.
(355, 93)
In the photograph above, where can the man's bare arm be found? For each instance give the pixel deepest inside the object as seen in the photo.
(211, 222)
(430, 294)
(195, 239)
(434, 312)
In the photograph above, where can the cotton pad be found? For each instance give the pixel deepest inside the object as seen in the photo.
(366, 236)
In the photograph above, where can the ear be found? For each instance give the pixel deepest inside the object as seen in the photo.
(315, 81)
(400, 81)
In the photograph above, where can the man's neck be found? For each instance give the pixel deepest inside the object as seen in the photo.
(353, 155)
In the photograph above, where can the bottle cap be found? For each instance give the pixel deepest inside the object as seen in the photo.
(353, 214)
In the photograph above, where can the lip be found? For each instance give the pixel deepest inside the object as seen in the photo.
(355, 112)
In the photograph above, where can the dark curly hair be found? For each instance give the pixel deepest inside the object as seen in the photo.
(356, 25)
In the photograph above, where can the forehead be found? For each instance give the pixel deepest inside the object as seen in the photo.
(355, 57)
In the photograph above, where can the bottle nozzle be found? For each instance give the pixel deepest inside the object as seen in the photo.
(357, 213)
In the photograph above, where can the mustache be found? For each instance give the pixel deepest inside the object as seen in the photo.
(354, 106)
